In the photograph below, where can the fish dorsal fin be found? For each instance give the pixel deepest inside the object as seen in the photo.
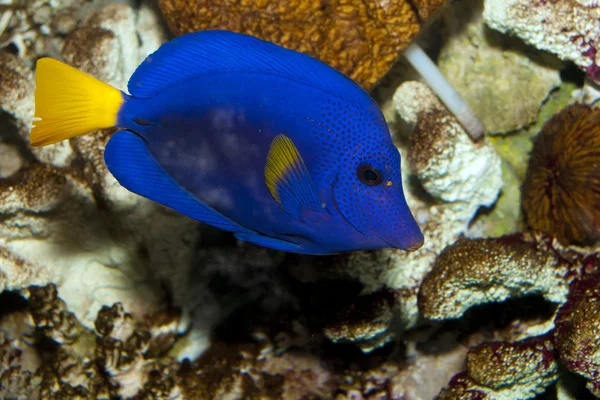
(211, 52)
(287, 177)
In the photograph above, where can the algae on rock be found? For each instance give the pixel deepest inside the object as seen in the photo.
(502, 79)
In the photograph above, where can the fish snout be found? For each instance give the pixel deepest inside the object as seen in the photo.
(417, 243)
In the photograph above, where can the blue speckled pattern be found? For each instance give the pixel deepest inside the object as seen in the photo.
(208, 105)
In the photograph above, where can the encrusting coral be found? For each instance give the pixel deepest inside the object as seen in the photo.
(561, 192)
(473, 272)
(503, 370)
(567, 28)
(125, 358)
(477, 271)
(362, 39)
(576, 333)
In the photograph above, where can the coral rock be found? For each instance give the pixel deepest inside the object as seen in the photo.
(567, 28)
(52, 232)
(256, 370)
(521, 362)
(576, 334)
(478, 271)
(16, 89)
(447, 162)
(501, 78)
(561, 192)
(33, 28)
(360, 38)
(502, 370)
(365, 322)
(125, 353)
(50, 314)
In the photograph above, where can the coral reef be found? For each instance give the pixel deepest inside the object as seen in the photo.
(361, 39)
(476, 271)
(38, 27)
(561, 192)
(567, 28)
(66, 220)
(104, 294)
(80, 364)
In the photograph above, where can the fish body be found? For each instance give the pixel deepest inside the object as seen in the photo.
(265, 142)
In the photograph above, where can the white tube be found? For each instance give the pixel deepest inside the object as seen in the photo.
(438, 83)
(5, 20)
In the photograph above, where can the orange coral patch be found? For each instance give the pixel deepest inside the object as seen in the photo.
(361, 38)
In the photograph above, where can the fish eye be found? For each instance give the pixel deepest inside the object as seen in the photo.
(369, 175)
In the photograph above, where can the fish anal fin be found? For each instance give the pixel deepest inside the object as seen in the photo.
(269, 242)
(288, 179)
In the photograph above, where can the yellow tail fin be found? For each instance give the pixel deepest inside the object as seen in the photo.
(69, 103)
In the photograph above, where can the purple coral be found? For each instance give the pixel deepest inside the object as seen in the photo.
(576, 333)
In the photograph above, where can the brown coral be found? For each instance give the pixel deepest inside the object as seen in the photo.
(518, 370)
(561, 193)
(576, 332)
(478, 271)
(365, 321)
(50, 314)
(360, 38)
(514, 266)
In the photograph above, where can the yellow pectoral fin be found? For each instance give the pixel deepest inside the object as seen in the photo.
(287, 177)
(69, 103)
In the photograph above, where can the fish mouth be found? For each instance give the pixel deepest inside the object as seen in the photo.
(412, 247)
(417, 245)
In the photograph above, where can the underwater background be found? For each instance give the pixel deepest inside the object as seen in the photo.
(108, 295)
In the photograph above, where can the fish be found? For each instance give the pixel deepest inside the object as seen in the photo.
(268, 143)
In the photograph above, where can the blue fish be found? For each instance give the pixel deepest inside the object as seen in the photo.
(268, 143)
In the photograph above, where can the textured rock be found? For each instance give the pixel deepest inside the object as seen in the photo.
(502, 80)
(365, 322)
(52, 232)
(124, 354)
(448, 164)
(50, 314)
(34, 27)
(360, 38)
(10, 160)
(576, 333)
(505, 371)
(566, 28)
(478, 271)
(16, 89)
